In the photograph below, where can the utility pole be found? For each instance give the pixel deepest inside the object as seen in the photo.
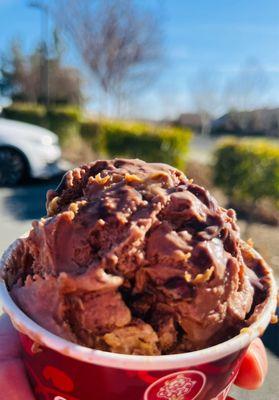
(43, 8)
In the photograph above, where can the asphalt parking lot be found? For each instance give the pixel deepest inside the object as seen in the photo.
(19, 206)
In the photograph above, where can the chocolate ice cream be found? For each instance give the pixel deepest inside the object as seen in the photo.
(135, 258)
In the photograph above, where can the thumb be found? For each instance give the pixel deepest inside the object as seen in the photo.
(254, 366)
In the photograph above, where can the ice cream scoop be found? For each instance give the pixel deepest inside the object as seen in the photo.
(135, 258)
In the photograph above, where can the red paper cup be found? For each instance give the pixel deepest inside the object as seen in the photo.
(61, 370)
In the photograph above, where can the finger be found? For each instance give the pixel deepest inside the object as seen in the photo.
(13, 381)
(9, 338)
(253, 369)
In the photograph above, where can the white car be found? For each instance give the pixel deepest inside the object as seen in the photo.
(26, 151)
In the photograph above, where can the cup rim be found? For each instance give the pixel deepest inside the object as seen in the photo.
(27, 326)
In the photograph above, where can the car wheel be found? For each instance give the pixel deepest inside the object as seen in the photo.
(13, 167)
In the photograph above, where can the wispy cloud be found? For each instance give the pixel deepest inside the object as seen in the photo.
(235, 68)
(233, 27)
(179, 53)
(241, 27)
(272, 68)
(7, 2)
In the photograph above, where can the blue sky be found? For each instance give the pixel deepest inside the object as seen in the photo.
(214, 38)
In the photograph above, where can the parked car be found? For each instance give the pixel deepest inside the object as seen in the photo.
(27, 151)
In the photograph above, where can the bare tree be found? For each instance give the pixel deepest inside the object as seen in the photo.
(242, 92)
(206, 98)
(118, 41)
(20, 77)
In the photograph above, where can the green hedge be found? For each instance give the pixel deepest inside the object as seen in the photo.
(248, 169)
(26, 112)
(64, 121)
(92, 133)
(149, 142)
(108, 138)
